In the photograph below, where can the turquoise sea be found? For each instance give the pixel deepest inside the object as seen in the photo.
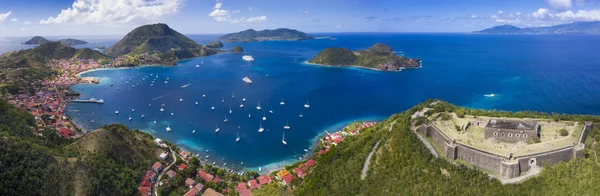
(551, 73)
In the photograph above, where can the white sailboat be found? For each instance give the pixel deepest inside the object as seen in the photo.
(283, 140)
(212, 107)
(243, 99)
(168, 128)
(249, 115)
(271, 110)
(193, 131)
(306, 104)
(196, 103)
(223, 100)
(197, 65)
(203, 95)
(130, 118)
(230, 111)
(225, 121)
(154, 120)
(180, 100)
(143, 115)
(117, 112)
(281, 103)
(237, 137)
(242, 105)
(258, 107)
(232, 95)
(248, 58)
(132, 110)
(264, 118)
(301, 115)
(217, 129)
(261, 129)
(287, 126)
(162, 109)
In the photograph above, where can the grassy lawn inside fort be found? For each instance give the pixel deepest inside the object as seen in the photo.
(474, 136)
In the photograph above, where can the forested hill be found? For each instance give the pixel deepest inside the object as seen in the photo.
(403, 166)
(252, 35)
(109, 161)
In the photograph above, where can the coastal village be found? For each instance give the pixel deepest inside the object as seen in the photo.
(50, 96)
(207, 180)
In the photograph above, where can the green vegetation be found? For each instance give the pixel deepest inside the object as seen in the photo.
(403, 166)
(214, 44)
(29, 65)
(237, 49)
(36, 40)
(40, 40)
(109, 161)
(251, 35)
(378, 56)
(272, 189)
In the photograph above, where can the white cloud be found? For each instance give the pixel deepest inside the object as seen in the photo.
(560, 4)
(223, 15)
(494, 17)
(541, 13)
(500, 12)
(518, 13)
(27, 22)
(4, 16)
(338, 26)
(473, 16)
(305, 12)
(14, 20)
(586, 15)
(256, 19)
(115, 11)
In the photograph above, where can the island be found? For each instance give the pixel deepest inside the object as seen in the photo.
(36, 40)
(585, 27)
(214, 44)
(157, 44)
(251, 35)
(377, 57)
(237, 49)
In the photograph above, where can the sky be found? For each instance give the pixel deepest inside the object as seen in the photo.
(117, 17)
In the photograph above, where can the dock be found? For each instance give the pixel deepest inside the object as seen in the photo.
(92, 100)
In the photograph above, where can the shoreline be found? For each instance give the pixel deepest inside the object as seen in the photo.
(356, 66)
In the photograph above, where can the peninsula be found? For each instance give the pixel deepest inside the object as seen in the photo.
(157, 44)
(377, 57)
(252, 35)
(36, 40)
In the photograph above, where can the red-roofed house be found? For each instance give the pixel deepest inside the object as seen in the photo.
(199, 187)
(253, 184)
(264, 180)
(184, 154)
(151, 176)
(300, 173)
(288, 179)
(157, 167)
(171, 174)
(190, 182)
(191, 192)
(66, 133)
(144, 191)
(216, 180)
(242, 190)
(322, 152)
(205, 176)
(182, 166)
(309, 163)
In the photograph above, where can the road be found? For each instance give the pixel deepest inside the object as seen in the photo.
(163, 172)
(365, 168)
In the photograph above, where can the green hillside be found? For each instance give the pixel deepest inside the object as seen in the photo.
(379, 56)
(155, 38)
(108, 161)
(403, 166)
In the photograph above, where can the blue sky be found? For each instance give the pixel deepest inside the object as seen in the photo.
(117, 17)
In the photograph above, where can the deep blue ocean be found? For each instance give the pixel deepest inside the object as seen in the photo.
(550, 73)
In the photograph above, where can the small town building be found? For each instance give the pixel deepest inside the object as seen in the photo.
(157, 167)
(507, 130)
(211, 192)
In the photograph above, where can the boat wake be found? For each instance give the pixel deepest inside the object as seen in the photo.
(160, 97)
(490, 95)
(184, 86)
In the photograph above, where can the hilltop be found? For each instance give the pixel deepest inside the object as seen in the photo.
(252, 35)
(378, 57)
(40, 40)
(403, 165)
(31, 62)
(570, 28)
(157, 44)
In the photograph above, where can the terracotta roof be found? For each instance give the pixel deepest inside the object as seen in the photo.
(191, 192)
(264, 180)
(199, 187)
(190, 182)
(144, 191)
(205, 176)
(211, 192)
(182, 166)
(157, 166)
(253, 185)
(171, 173)
(241, 187)
(288, 178)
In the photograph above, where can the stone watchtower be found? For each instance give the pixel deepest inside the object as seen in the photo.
(512, 130)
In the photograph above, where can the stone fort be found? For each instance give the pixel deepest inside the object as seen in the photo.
(506, 166)
(512, 130)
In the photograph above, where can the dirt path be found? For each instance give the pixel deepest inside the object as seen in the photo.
(532, 172)
(428, 145)
(163, 172)
(368, 161)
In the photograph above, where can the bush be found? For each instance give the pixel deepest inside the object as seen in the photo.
(563, 132)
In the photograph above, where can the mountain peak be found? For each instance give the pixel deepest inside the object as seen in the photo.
(152, 38)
